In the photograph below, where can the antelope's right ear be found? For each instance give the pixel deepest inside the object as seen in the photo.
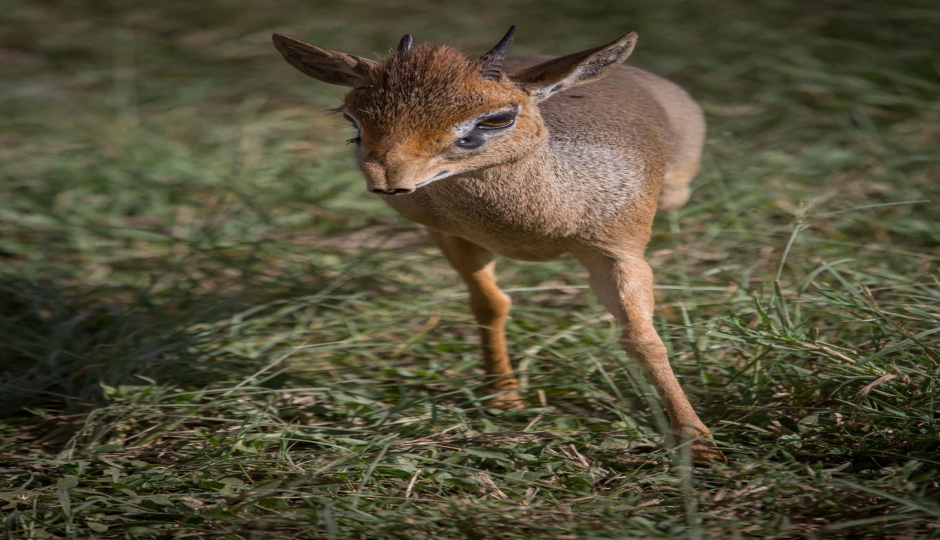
(322, 64)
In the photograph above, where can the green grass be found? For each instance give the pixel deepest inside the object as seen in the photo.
(208, 328)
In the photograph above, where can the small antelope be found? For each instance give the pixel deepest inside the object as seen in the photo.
(529, 157)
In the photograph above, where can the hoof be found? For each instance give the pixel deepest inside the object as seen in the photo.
(706, 453)
(704, 449)
(509, 400)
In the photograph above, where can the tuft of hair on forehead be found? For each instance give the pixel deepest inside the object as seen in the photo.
(426, 64)
(427, 81)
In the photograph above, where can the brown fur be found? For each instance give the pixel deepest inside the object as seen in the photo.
(593, 149)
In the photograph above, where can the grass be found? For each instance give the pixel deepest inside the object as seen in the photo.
(208, 328)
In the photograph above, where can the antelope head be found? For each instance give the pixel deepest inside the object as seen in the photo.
(426, 113)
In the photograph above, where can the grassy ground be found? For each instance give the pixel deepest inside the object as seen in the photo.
(208, 328)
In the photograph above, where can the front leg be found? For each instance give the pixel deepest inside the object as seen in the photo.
(490, 306)
(624, 284)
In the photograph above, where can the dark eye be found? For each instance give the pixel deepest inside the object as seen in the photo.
(357, 139)
(497, 122)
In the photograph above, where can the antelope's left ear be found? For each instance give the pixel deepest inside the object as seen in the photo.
(559, 74)
(323, 64)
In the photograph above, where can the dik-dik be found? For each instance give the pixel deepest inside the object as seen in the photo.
(529, 157)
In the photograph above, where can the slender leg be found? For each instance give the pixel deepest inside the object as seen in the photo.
(624, 284)
(490, 306)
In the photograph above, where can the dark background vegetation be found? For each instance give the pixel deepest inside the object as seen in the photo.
(208, 328)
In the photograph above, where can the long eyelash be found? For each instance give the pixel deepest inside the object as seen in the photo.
(339, 110)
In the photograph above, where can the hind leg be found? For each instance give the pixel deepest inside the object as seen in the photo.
(676, 191)
(624, 284)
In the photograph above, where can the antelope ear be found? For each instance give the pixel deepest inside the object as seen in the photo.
(322, 64)
(559, 74)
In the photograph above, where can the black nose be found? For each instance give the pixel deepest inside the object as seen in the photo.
(396, 191)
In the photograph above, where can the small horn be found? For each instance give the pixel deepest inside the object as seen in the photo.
(493, 61)
(406, 42)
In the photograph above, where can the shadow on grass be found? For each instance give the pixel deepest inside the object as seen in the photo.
(59, 343)
(61, 339)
